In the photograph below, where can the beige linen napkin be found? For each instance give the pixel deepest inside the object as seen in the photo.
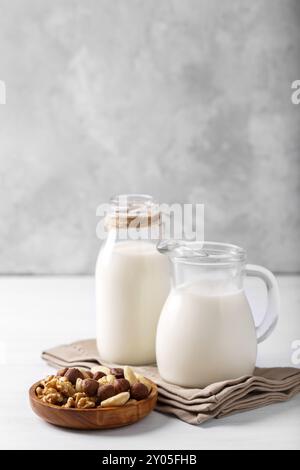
(194, 405)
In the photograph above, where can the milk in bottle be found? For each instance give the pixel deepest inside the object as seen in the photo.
(132, 283)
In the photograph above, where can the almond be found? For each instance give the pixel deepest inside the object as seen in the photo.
(130, 375)
(117, 400)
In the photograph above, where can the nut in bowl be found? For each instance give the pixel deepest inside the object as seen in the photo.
(101, 398)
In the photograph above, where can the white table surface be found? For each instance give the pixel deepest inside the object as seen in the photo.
(41, 312)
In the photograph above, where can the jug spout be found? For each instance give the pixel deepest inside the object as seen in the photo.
(201, 252)
(217, 266)
(181, 249)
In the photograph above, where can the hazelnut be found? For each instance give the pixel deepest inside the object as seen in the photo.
(139, 391)
(98, 375)
(87, 374)
(121, 385)
(105, 392)
(90, 387)
(118, 372)
(61, 372)
(73, 374)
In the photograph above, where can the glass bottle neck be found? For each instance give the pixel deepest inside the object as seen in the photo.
(133, 217)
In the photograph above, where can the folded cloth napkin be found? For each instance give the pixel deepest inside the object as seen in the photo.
(195, 405)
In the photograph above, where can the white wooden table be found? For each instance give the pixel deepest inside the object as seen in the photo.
(40, 312)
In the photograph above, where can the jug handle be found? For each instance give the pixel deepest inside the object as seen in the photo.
(269, 321)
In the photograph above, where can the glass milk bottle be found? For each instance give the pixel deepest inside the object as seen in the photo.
(132, 281)
(206, 331)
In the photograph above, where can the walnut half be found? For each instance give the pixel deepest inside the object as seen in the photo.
(86, 402)
(55, 398)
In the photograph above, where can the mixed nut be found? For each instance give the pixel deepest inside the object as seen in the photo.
(99, 387)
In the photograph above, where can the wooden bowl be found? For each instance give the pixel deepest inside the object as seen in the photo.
(93, 418)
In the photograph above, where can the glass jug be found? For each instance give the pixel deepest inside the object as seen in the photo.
(206, 331)
(132, 281)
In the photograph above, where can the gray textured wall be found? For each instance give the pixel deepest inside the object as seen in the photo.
(188, 100)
